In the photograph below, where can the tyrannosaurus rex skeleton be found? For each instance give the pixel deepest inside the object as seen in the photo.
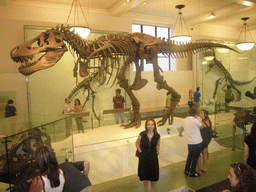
(111, 52)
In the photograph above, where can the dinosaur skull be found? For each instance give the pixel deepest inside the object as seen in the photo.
(49, 42)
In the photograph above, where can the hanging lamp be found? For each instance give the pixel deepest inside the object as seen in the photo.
(180, 38)
(82, 31)
(243, 44)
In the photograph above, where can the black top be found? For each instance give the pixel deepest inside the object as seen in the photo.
(10, 111)
(206, 134)
(147, 146)
(250, 140)
(75, 181)
(148, 159)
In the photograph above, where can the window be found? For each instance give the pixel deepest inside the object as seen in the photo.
(166, 63)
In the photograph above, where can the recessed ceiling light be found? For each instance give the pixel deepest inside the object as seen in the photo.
(212, 15)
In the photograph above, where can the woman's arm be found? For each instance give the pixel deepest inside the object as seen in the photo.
(137, 144)
(158, 146)
(181, 131)
(33, 186)
(246, 152)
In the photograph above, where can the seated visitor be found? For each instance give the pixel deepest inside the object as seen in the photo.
(70, 177)
(75, 181)
(52, 177)
(242, 178)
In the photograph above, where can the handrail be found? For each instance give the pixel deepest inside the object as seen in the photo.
(36, 127)
(98, 143)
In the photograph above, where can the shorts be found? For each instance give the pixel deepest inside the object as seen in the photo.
(204, 145)
(121, 115)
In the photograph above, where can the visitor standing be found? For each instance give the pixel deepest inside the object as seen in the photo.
(192, 127)
(197, 99)
(79, 119)
(168, 104)
(119, 104)
(68, 121)
(228, 96)
(206, 136)
(148, 146)
(10, 110)
(190, 98)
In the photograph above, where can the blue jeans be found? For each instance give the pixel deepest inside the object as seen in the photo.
(193, 154)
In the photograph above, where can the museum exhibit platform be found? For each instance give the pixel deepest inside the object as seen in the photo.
(111, 148)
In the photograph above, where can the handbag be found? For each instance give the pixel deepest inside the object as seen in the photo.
(37, 184)
(214, 134)
(190, 103)
(137, 154)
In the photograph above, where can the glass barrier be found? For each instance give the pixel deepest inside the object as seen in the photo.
(227, 81)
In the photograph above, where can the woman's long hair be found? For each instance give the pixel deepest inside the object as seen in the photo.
(253, 130)
(79, 103)
(246, 177)
(151, 119)
(206, 117)
(48, 164)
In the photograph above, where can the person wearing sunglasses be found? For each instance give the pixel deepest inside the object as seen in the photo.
(242, 178)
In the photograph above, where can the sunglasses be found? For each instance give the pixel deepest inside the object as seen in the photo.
(238, 167)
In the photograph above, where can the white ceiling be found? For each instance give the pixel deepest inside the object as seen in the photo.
(228, 12)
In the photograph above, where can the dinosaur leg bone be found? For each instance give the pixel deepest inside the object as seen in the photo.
(161, 84)
(123, 82)
(136, 118)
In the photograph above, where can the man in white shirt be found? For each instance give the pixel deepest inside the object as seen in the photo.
(192, 127)
(68, 109)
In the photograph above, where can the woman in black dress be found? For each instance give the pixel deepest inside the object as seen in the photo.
(206, 136)
(148, 145)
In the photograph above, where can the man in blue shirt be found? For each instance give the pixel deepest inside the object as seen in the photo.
(197, 99)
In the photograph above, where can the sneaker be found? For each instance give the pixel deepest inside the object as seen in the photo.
(186, 172)
(195, 175)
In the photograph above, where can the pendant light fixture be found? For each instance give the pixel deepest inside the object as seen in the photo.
(179, 37)
(82, 31)
(243, 44)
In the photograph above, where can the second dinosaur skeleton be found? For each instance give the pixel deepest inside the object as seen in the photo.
(111, 52)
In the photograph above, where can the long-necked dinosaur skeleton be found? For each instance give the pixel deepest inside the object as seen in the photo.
(108, 50)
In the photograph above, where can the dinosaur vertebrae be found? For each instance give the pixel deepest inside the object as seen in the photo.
(125, 45)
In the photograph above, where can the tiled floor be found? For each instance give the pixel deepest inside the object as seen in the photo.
(172, 177)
